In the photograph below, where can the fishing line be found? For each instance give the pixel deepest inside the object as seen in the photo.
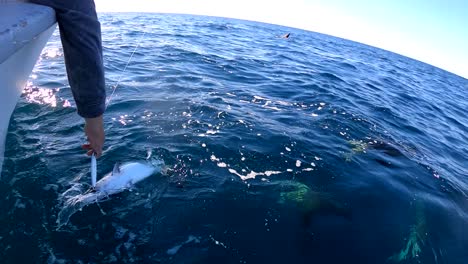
(124, 69)
(93, 157)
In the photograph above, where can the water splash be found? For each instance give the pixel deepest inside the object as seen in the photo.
(75, 199)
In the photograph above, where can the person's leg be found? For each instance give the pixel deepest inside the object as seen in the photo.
(80, 32)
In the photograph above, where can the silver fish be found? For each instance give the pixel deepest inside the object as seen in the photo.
(121, 178)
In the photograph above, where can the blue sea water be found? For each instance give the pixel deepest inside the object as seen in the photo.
(311, 149)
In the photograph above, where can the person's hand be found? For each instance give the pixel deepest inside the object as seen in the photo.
(94, 130)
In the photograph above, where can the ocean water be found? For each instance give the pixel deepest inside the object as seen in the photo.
(311, 149)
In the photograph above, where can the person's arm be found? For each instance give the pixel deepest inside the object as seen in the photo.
(80, 32)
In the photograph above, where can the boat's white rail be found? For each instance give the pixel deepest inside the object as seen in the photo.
(24, 31)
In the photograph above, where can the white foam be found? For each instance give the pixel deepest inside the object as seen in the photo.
(283, 103)
(259, 97)
(269, 173)
(272, 108)
(253, 174)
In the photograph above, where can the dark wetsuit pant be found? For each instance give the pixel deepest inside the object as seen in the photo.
(80, 32)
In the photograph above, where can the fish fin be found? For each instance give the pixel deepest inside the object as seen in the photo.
(116, 169)
(149, 152)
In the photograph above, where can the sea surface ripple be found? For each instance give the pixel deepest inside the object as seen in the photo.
(300, 150)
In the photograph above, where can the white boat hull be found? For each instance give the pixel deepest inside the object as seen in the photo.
(21, 42)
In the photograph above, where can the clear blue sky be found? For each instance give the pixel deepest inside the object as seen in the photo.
(433, 31)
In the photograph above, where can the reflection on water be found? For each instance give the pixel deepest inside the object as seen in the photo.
(40, 95)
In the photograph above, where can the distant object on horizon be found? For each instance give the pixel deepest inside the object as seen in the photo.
(286, 35)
